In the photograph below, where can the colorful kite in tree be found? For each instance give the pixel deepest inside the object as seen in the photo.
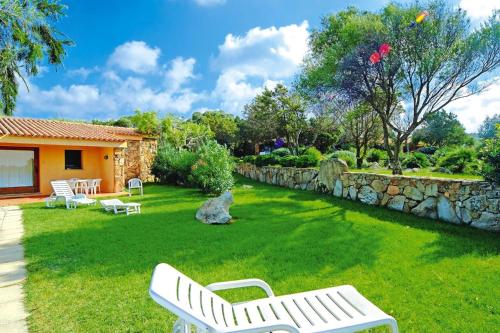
(383, 50)
(419, 19)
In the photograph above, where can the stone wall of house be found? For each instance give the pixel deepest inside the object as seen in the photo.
(139, 157)
(473, 203)
(119, 169)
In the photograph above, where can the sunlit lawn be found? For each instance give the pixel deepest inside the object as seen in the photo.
(88, 271)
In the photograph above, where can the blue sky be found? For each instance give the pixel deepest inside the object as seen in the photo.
(181, 56)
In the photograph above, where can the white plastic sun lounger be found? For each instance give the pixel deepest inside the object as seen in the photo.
(338, 309)
(118, 206)
(63, 191)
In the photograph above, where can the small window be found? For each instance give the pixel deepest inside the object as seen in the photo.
(72, 159)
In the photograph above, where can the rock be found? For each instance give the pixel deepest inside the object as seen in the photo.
(337, 191)
(329, 170)
(431, 190)
(445, 210)
(378, 185)
(368, 195)
(477, 203)
(392, 190)
(375, 165)
(413, 193)
(216, 210)
(385, 199)
(426, 208)
(397, 203)
(487, 221)
(353, 193)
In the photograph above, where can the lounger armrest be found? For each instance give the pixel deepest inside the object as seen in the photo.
(241, 284)
(265, 327)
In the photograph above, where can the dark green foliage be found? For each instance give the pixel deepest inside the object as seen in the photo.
(459, 160)
(376, 155)
(212, 171)
(306, 161)
(250, 159)
(289, 161)
(27, 36)
(442, 129)
(268, 159)
(491, 156)
(415, 160)
(281, 152)
(430, 150)
(209, 167)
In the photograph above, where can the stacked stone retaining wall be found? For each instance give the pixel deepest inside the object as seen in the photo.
(474, 203)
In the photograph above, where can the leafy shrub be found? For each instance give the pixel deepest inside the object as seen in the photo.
(281, 152)
(213, 170)
(173, 165)
(210, 167)
(306, 161)
(314, 152)
(269, 159)
(348, 156)
(490, 153)
(376, 155)
(289, 161)
(430, 150)
(457, 160)
(249, 159)
(415, 160)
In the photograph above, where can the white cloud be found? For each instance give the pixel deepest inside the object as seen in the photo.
(471, 111)
(479, 9)
(262, 57)
(207, 3)
(135, 56)
(181, 71)
(82, 72)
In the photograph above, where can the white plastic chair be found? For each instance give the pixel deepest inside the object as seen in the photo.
(135, 183)
(97, 184)
(117, 206)
(339, 309)
(63, 191)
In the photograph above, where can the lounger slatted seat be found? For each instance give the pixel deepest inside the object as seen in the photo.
(117, 206)
(63, 191)
(338, 309)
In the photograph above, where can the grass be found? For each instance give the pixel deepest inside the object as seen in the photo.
(88, 271)
(422, 173)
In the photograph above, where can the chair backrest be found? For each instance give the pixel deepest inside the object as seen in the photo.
(190, 300)
(97, 181)
(134, 183)
(62, 189)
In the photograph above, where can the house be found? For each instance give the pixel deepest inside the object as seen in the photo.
(35, 151)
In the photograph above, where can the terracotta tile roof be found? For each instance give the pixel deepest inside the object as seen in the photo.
(44, 128)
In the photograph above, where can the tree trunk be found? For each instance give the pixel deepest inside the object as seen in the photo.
(359, 159)
(395, 163)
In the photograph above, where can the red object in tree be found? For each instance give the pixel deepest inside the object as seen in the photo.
(384, 49)
(375, 57)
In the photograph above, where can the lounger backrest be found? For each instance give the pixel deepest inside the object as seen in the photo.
(62, 189)
(190, 300)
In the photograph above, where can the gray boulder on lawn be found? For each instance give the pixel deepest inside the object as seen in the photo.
(216, 210)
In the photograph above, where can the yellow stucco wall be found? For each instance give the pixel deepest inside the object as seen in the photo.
(94, 165)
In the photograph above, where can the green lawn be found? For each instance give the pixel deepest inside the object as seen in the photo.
(422, 173)
(88, 271)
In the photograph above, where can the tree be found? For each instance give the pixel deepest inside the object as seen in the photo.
(27, 36)
(184, 134)
(146, 122)
(276, 113)
(223, 125)
(487, 130)
(441, 129)
(429, 67)
(361, 127)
